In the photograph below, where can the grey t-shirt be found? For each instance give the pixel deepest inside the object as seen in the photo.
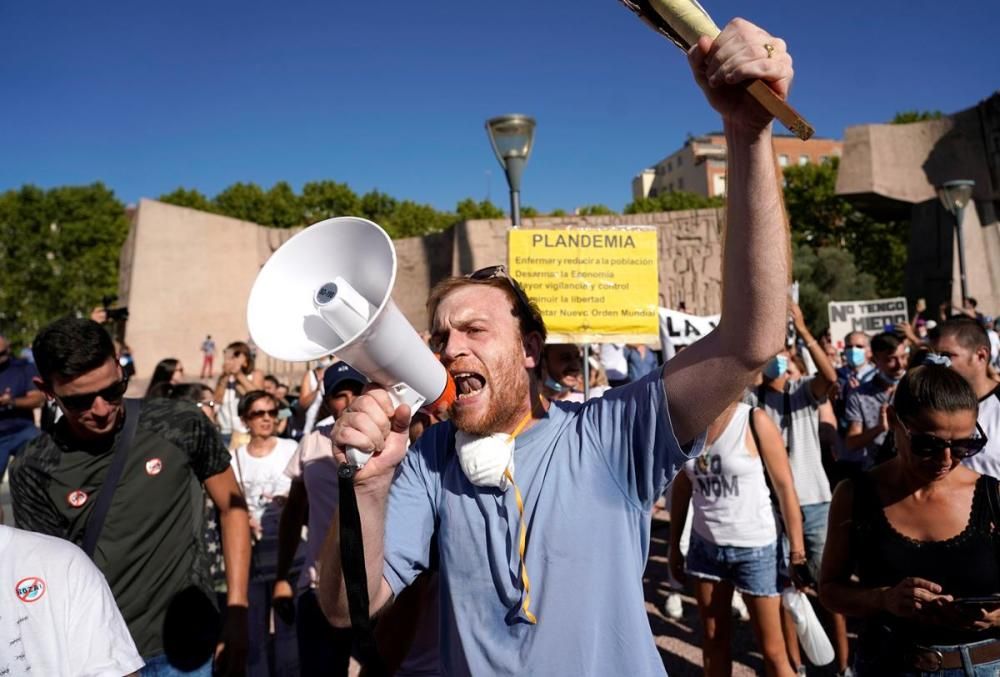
(805, 455)
(864, 406)
(589, 475)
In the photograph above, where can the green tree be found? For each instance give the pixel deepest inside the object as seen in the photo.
(557, 212)
(827, 274)
(245, 201)
(907, 116)
(528, 212)
(377, 206)
(821, 218)
(59, 252)
(594, 210)
(410, 219)
(182, 197)
(469, 210)
(672, 201)
(284, 207)
(327, 199)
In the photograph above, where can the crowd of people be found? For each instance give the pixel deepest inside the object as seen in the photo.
(195, 530)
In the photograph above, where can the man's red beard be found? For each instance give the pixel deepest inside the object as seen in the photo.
(508, 385)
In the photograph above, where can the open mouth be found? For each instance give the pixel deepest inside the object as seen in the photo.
(468, 384)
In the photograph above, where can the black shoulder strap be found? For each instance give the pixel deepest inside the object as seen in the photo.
(787, 415)
(753, 429)
(352, 563)
(992, 487)
(95, 523)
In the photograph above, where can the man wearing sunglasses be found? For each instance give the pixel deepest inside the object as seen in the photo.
(537, 514)
(149, 547)
(18, 399)
(967, 346)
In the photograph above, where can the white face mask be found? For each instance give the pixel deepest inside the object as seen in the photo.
(484, 459)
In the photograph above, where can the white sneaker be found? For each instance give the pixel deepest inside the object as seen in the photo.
(740, 608)
(674, 608)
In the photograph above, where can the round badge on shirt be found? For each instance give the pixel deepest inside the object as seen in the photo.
(77, 498)
(30, 589)
(154, 466)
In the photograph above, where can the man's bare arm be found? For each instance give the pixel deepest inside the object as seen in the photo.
(702, 380)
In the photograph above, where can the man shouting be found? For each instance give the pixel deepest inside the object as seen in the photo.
(537, 514)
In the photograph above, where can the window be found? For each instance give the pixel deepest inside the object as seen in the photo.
(783, 160)
(823, 159)
(680, 159)
(670, 166)
(680, 184)
(670, 186)
(803, 159)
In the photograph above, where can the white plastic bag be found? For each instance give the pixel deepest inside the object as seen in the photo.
(812, 637)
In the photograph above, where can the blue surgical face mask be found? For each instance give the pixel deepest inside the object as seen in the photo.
(854, 356)
(776, 368)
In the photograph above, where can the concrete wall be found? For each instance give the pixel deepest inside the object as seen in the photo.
(185, 273)
(892, 171)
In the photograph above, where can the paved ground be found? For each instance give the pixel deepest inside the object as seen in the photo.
(680, 641)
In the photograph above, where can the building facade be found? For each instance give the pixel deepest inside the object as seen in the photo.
(700, 165)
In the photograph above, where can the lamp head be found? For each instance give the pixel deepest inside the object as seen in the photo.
(512, 137)
(955, 195)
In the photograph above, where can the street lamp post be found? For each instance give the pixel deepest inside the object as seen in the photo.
(955, 196)
(511, 137)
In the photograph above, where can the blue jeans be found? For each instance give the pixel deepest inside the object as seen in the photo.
(159, 666)
(882, 658)
(814, 520)
(11, 442)
(752, 571)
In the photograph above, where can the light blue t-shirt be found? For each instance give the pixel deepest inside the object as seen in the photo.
(589, 474)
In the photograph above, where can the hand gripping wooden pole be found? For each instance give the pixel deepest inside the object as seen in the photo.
(683, 22)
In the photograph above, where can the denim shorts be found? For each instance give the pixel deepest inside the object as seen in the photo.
(752, 571)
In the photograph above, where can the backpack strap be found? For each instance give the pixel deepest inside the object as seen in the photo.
(95, 523)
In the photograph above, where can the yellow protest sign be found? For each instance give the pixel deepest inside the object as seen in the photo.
(593, 285)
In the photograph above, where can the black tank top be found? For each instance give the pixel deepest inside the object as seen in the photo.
(965, 565)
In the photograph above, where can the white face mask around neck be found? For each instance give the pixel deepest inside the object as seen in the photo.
(485, 459)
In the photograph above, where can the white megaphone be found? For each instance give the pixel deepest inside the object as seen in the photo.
(327, 290)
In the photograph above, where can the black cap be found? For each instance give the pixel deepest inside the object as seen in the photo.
(338, 374)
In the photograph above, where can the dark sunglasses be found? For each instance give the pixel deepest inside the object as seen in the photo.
(273, 413)
(525, 310)
(926, 445)
(113, 394)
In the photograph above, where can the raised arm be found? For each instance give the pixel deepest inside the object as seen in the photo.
(826, 375)
(702, 380)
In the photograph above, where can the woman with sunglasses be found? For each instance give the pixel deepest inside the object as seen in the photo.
(259, 466)
(912, 546)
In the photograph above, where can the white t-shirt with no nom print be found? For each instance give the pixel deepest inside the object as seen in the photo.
(58, 617)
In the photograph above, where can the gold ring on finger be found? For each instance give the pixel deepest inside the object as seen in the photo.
(769, 48)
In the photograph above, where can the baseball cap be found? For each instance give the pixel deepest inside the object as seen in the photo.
(338, 374)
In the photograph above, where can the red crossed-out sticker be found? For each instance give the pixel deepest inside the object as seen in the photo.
(154, 466)
(77, 498)
(30, 589)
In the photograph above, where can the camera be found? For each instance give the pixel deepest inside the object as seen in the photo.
(114, 314)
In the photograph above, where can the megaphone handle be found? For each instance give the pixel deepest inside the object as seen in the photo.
(399, 393)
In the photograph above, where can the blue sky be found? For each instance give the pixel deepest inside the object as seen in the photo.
(147, 97)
